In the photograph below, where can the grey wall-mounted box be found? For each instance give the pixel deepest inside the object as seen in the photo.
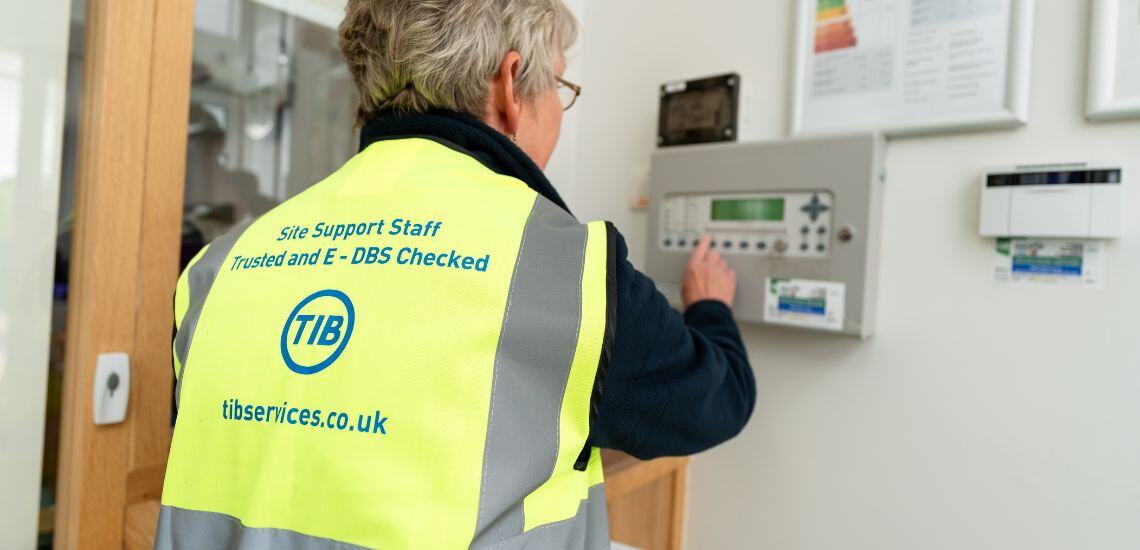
(798, 220)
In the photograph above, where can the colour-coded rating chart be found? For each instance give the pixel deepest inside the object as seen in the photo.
(910, 65)
(833, 27)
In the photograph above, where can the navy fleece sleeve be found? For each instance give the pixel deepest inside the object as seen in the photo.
(676, 385)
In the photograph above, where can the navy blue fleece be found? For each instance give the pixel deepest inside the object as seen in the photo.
(676, 384)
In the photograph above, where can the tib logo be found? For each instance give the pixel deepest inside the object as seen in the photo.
(317, 331)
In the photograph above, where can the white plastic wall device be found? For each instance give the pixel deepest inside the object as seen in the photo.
(1079, 200)
(112, 388)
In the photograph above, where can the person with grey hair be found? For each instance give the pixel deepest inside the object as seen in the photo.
(427, 349)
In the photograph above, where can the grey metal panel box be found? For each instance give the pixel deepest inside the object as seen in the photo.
(813, 192)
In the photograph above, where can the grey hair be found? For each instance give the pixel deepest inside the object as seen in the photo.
(419, 55)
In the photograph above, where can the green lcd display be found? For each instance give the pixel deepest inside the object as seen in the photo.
(736, 210)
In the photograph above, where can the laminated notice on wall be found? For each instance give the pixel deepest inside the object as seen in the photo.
(804, 303)
(1050, 262)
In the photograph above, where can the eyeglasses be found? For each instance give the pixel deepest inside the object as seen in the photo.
(568, 93)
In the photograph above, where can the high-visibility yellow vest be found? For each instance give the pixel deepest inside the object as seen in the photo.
(402, 356)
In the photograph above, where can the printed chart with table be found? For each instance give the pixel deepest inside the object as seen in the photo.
(893, 64)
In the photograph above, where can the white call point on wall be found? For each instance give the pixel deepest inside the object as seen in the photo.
(1083, 201)
(112, 388)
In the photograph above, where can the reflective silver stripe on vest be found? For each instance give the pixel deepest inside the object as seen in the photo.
(179, 528)
(588, 530)
(532, 366)
(200, 279)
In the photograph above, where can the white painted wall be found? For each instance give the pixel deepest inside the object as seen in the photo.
(980, 417)
(562, 170)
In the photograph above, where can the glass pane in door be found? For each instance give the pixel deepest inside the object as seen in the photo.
(272, 112)
(35, 76)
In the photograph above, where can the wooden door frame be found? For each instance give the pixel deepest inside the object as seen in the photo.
(125, 252)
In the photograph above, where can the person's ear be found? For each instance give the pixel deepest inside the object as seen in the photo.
(506, 99)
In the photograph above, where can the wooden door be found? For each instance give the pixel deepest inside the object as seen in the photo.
(646, 500)
(131, 157)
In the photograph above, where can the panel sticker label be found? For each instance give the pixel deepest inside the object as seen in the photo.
(1049, 262)
(805, 303)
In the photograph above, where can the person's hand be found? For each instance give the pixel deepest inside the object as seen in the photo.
(707, 277)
